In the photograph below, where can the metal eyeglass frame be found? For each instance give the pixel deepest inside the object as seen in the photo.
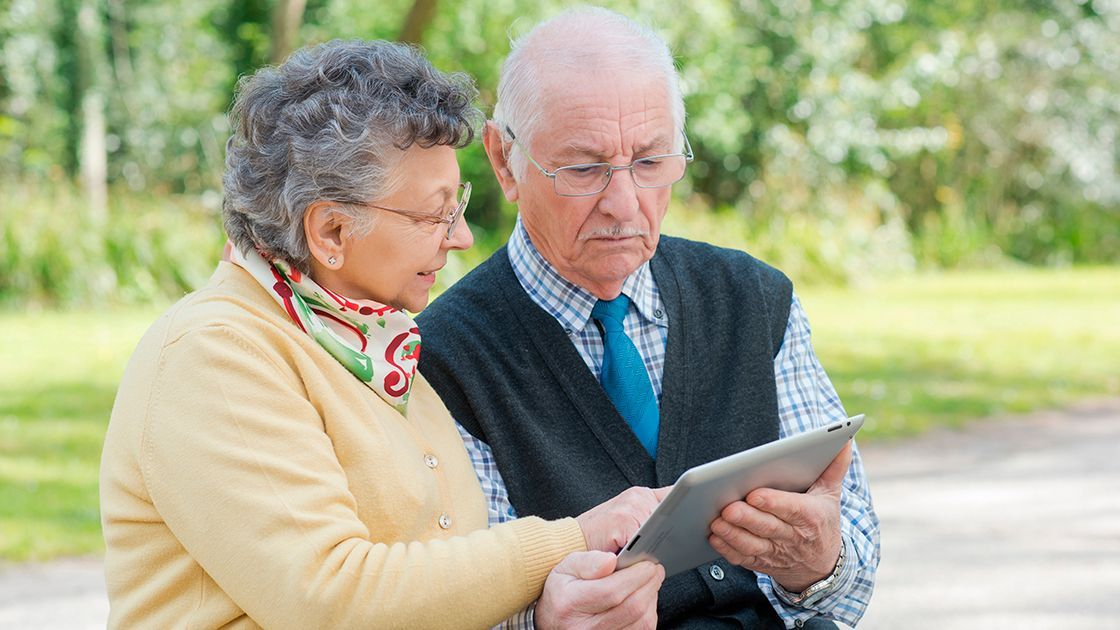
(687, 155)
(451, 219)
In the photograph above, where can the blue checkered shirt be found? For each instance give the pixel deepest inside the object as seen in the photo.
(806, 399)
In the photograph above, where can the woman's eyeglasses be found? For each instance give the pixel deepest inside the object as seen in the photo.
(450, 218)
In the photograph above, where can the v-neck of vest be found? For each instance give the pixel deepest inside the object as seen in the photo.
(558, 353)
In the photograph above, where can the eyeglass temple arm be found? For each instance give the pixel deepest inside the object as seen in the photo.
(544, 171)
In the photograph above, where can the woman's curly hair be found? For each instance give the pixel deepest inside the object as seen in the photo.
(331, 124)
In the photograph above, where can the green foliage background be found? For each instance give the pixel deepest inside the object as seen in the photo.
(834, 138)
(839, 139)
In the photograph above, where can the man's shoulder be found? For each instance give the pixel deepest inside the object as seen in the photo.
(470, 296)
(729, 282)
(684, 254)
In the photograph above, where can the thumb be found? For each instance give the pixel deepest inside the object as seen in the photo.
(661, 493)
(833, 476)
(587, 565)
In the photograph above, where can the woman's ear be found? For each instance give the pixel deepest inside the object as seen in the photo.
(497, 151)
(326, 237)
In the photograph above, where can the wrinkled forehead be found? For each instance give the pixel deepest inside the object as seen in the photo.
(609, 111)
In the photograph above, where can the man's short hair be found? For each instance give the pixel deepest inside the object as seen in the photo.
(619, 42)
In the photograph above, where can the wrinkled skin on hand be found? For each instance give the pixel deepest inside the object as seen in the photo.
(608, 526)
(792, 537)
(584, 592)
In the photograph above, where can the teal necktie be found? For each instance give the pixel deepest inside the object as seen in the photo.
(624, 375)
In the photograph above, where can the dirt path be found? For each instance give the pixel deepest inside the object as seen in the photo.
(64, 594)
(1007, 524)
(1010, 524)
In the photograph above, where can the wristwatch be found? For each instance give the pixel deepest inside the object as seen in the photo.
(819, 587)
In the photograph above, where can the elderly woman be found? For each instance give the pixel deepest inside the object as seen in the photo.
(273, 458)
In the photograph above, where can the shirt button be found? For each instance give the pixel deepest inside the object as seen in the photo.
(658, 314)
(800, 623)
(568, 332)
(444, 521)
(430, 461)
(716, 572)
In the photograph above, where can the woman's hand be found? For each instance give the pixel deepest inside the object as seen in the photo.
(584, 591)
(608, 526)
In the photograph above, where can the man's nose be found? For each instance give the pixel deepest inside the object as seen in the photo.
(620, 198)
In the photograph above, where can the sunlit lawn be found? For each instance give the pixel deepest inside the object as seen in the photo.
(58, 376)
(938, 350)
(912, 353)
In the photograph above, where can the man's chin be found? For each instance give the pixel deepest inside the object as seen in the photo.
(615, 267)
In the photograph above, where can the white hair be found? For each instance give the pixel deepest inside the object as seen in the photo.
(589, 37)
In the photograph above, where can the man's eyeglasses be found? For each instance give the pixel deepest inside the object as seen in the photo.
(581, 180)
(451, 218)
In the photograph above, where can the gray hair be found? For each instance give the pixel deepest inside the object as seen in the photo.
(619, 43)
(331, 124)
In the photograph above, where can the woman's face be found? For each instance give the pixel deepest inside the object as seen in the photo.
(396, 263)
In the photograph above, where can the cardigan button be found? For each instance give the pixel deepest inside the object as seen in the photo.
(430, 461)
(716, 572)
(445, 521)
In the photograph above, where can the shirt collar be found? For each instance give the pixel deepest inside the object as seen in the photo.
(570, 303)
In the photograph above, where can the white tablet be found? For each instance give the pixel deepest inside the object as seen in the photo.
(676, 534)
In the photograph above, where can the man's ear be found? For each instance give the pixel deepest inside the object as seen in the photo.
(325, 233)
(497, 151)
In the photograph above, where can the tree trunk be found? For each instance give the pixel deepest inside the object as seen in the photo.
(92, 157)
(417, 22)
(286, 19)
(122, 56)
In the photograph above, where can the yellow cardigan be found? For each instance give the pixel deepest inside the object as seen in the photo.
(249, 480)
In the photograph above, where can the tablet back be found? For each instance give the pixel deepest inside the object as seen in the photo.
(676, 534)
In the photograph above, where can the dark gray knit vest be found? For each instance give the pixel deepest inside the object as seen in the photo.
(511, 376)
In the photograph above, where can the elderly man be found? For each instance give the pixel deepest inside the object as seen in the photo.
(592, 354)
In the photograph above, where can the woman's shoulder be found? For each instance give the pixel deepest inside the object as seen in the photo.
(231, 305)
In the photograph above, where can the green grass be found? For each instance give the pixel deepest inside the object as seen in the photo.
(58, 377)
(937, 350)
(912, 353)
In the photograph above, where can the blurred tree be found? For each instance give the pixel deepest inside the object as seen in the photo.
(92, 85)
(287, 16)
(417, 22)
(834, 137)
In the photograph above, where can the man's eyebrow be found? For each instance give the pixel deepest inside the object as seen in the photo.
(574, 151)
(658, 146)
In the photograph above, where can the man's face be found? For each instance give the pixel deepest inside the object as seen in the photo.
(598, 240)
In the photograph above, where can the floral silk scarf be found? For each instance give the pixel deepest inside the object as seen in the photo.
(378, 344)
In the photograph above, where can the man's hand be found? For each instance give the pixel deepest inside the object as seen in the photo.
(608, 526)
(584, 591)
(794, 538)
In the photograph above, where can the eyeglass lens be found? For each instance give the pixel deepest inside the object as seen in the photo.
(653, 172)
